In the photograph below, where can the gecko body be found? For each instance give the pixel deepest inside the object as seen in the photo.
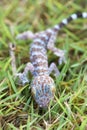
(42, 85)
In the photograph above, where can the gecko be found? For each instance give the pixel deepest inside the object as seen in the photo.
(42, 84)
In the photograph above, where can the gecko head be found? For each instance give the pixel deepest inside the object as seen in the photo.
(43, 90)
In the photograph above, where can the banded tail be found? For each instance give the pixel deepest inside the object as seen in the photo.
(72, 17)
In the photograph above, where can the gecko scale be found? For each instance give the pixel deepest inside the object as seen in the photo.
(42, 85)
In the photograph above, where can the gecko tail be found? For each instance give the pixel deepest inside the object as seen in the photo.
(72, 17)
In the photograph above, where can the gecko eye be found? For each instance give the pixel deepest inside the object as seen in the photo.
(52, 87)
(33, 90)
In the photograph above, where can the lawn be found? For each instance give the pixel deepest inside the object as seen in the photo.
(18, 110)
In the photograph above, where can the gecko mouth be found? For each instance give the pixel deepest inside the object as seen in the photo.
(43, 101)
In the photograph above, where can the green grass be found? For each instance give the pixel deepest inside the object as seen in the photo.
(18, 110)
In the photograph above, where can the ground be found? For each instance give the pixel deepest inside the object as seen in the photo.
(18, 110)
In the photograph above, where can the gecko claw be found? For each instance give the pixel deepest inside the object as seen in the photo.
(62, 58)
(22, 78)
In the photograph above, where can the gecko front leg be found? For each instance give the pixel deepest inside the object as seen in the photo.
(54, 68)
(56, 51)
(23, 76)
